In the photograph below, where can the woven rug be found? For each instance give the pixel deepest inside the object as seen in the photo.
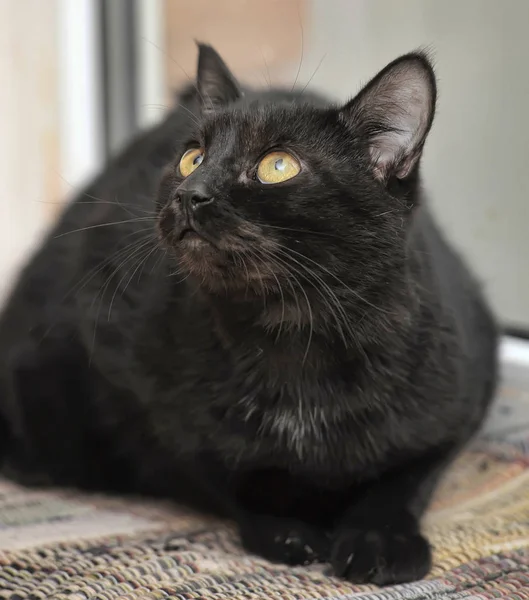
(65, 546)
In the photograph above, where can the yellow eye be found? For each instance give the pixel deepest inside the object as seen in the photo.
(191, 161)
(277, 167)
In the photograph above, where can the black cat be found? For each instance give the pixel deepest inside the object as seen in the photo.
(293, 344)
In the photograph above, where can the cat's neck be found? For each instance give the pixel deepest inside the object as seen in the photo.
(361, 323)
(275, 333)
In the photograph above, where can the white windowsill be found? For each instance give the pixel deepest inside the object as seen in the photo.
(515, 352)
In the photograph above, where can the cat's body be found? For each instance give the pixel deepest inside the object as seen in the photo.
(318, 413)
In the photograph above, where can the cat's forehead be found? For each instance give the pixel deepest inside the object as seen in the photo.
(261, 124)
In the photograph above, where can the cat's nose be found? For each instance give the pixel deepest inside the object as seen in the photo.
(194, 198)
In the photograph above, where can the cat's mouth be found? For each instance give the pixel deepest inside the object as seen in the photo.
(184, 234)
(190, 235)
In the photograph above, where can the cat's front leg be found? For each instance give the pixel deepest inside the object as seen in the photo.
(260, 503)
(272, 523)
(379, 540)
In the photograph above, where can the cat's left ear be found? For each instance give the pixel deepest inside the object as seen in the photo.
(215, 83)
(394, 113)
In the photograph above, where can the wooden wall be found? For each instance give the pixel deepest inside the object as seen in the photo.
(259, 40)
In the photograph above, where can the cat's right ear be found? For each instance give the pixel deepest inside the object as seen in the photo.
(216, 85)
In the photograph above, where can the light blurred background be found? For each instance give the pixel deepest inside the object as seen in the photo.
(78, 78)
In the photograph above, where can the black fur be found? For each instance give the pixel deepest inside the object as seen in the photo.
(306, 362)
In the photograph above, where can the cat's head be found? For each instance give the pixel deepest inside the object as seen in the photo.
(280, 194)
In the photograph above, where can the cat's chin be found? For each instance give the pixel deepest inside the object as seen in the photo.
(222, 271)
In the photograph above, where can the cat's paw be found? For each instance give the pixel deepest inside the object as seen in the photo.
(284, 540)
(380, 556)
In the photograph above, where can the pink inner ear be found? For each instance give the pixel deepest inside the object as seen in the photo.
(385, 163)
(403, 102)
